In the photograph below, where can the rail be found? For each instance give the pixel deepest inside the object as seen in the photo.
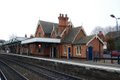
(2, 76)
(47, 73)
(10, 73)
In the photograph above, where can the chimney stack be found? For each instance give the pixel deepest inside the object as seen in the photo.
(63, 22)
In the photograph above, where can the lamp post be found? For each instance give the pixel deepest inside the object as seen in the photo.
(113, 16)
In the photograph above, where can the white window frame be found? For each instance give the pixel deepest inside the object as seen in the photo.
(78, 50)
(65, 49)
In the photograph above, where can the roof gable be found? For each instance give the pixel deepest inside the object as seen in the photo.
(39, 31)
(86, 40)
(83, 40)
(47, 26)
(81, 33)
(94, 38)
(71, 35)
(53, 33)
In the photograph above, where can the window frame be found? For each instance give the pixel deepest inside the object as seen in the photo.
(65, 49)
(78, 50)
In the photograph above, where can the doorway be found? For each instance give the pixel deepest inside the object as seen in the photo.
(53, 52)
(90, 53)
(69, 52)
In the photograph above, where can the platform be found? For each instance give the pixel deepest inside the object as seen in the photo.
(87, 70)
(87, 64)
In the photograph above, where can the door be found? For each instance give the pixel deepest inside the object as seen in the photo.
(69, 52)
(53, 52)
(90, 53)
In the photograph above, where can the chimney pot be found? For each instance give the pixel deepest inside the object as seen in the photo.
(65, 15)
(60, 14)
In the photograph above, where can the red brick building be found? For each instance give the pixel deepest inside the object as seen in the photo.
(59, 40)
(62, 40)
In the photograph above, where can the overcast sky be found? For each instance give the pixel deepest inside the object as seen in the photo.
(20, 17)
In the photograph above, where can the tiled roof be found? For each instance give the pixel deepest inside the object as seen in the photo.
(84, 40)
(71, 35)
(47, 26)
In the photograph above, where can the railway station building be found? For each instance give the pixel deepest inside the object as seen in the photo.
(62, 40)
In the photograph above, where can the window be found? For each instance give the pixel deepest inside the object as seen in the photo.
(65, 49)
(39, 34)
(78, 50)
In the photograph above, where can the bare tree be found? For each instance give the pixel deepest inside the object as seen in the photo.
(97, 29)
(12, 36)
(109, 29)
(104, 30)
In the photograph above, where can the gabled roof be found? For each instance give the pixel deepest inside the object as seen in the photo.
(47, 26)
(86, 40)
(71, 35)
(102, 36)
(54, 29)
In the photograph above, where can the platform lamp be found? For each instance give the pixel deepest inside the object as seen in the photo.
(39, 46)
(113, 16)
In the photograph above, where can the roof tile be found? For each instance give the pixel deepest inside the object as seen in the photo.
(84, 40)
(47, 26)
(71, 35)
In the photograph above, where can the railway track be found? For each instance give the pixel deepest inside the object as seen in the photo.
(8, 73)
(44, 72)
(2, 76)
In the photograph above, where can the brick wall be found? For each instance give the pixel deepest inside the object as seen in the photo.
(97, 46)
(62, 54)
(39, 32)
(80, 34)
(63, 22)
(82, 51)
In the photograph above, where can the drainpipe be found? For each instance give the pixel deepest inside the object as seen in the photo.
(99, 50)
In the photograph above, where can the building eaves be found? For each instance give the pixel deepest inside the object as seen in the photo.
(42, 40)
